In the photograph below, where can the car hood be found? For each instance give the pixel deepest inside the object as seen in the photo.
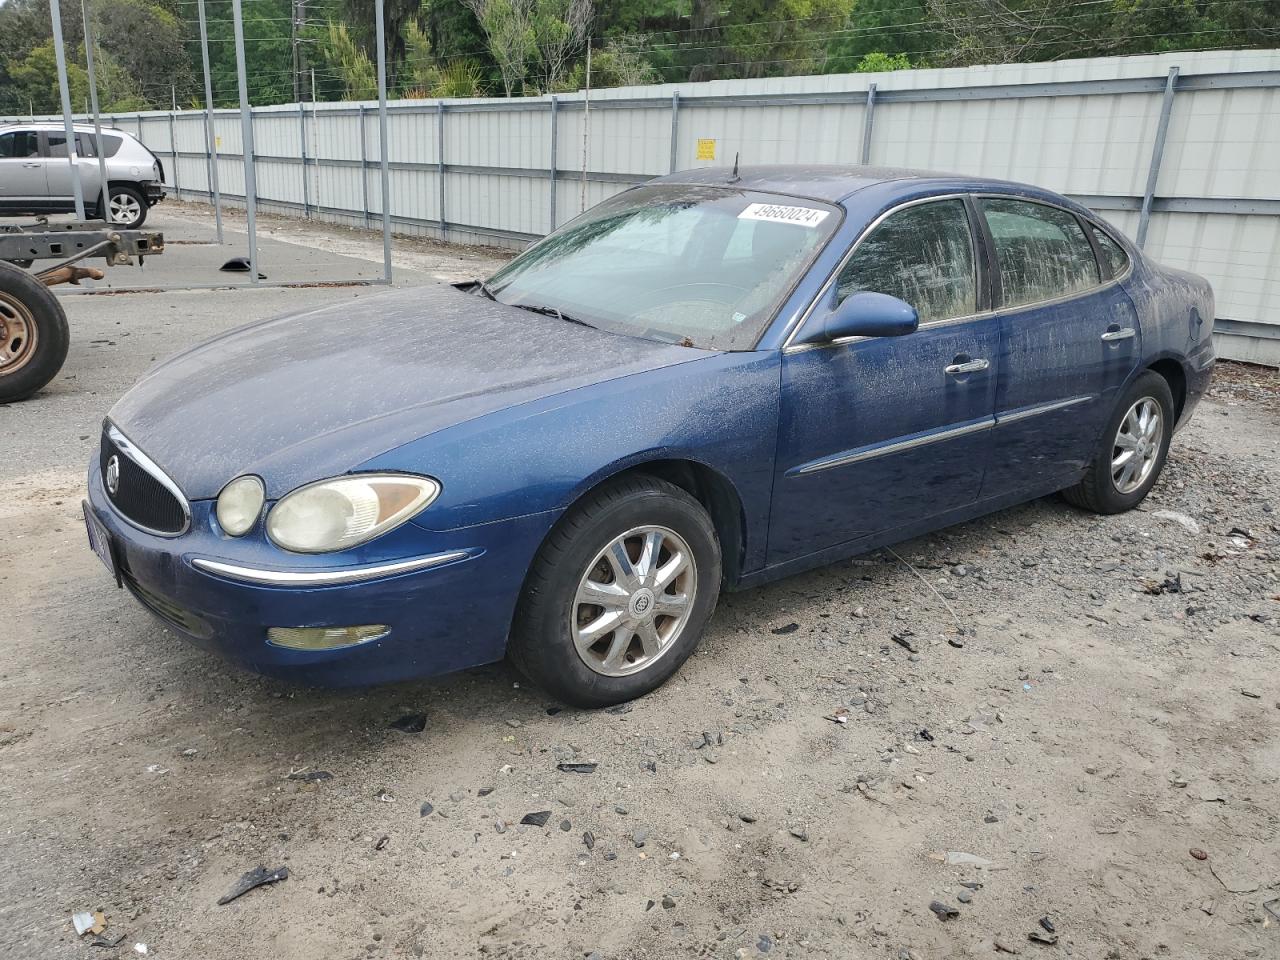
(315, 394)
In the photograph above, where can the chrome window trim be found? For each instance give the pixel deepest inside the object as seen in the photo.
(315, 578)
(130, 450)
(787, 346)
(859, 454)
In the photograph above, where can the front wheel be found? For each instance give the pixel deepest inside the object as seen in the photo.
(33, 334)
(619, 593)
(1133, 449)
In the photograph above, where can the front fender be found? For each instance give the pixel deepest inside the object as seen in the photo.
(720, 411)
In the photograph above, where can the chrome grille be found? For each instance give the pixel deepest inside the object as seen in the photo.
(142, 493)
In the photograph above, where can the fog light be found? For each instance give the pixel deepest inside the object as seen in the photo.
(325, 638)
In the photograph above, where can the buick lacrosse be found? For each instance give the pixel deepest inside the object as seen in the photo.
(704, 383)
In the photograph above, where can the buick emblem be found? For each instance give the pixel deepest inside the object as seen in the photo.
(113, 475)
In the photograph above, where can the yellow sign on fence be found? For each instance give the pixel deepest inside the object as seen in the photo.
(706, 149)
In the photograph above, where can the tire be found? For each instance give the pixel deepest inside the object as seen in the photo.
(551, 611)
(1106, 488)
(125, 207)
(33, 334)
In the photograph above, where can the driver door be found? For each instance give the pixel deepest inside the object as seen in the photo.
(879, 432)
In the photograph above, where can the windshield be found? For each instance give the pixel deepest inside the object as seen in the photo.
(684, 263)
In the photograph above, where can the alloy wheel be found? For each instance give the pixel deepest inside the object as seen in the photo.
(633, 601)
(1136, 448)
(18, 334)
(124, 208)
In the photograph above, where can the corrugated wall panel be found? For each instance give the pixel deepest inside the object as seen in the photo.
(1220, 144)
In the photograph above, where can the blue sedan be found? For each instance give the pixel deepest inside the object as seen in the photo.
(702, 384)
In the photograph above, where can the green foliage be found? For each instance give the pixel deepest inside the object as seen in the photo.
(344, 60)
(878, 62)
(622, 62)
(34, 81)
(148, 49)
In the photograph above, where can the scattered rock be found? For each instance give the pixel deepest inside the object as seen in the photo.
(536, 819)
(788, 628)
(1048, 939)
(1199, 854)
(426, 809)
(944, 912)
(566, 826)
(589, 839)
(1047, 925)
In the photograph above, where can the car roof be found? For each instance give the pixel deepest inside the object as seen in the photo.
(53, 125)
(834, 182)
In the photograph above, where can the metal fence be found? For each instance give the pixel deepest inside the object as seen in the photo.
(1181, 151)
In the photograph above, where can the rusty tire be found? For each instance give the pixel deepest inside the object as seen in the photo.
(33, 334)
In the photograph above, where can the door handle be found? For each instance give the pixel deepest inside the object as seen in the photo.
(968, 366)
(1120, 333)
(32, 166)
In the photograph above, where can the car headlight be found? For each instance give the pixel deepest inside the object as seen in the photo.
(240, 505)
(342, 512)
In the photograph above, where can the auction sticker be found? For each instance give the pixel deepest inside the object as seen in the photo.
(780, 213)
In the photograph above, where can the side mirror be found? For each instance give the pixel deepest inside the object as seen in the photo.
(863, 315)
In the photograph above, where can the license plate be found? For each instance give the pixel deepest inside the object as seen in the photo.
(100, 541)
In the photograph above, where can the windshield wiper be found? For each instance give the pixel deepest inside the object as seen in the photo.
(559, 314)
(484, 289)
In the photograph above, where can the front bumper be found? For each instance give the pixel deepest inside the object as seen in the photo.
(446, 615)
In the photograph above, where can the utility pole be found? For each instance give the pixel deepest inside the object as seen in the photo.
(296, 21)
(586, 128)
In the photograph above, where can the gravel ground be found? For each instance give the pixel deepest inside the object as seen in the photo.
(1092, 706)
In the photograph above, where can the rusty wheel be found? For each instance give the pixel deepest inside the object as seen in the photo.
(18, 334)
(33, 334)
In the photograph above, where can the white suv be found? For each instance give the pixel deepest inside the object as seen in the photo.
(36, 178)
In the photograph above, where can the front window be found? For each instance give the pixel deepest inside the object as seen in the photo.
(19, 145)
(922, 254)
(684, 263)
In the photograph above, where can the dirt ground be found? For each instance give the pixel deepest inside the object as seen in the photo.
(1099, 748)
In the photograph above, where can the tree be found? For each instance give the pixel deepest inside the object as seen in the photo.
(508, 27)
(146, 41)
(559, 29)
(422, 76)
(621, 62)
(350, 65)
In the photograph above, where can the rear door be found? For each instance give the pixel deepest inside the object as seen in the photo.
(878, 432)
(58, 171)
(1071, 338)
(22, 180)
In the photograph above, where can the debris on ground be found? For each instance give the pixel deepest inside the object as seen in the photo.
(958, 858)
(410, 723)
(576, 767)
(784, 630)
(425, 809)
(253, 879)
(108, 940)
(1047, 925)
(536, 819)
(1048, 939)
(905, 639)
(86, 922)
(1199, 854)
(309, 776)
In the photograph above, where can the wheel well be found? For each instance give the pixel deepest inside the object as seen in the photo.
(1174, 375)
(717, 496)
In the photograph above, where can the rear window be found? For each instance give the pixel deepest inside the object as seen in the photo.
(1114, 260)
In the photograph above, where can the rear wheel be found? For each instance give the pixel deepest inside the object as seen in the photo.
(1133, 449)
(33, 334)
(126, 206)
(619, 594)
